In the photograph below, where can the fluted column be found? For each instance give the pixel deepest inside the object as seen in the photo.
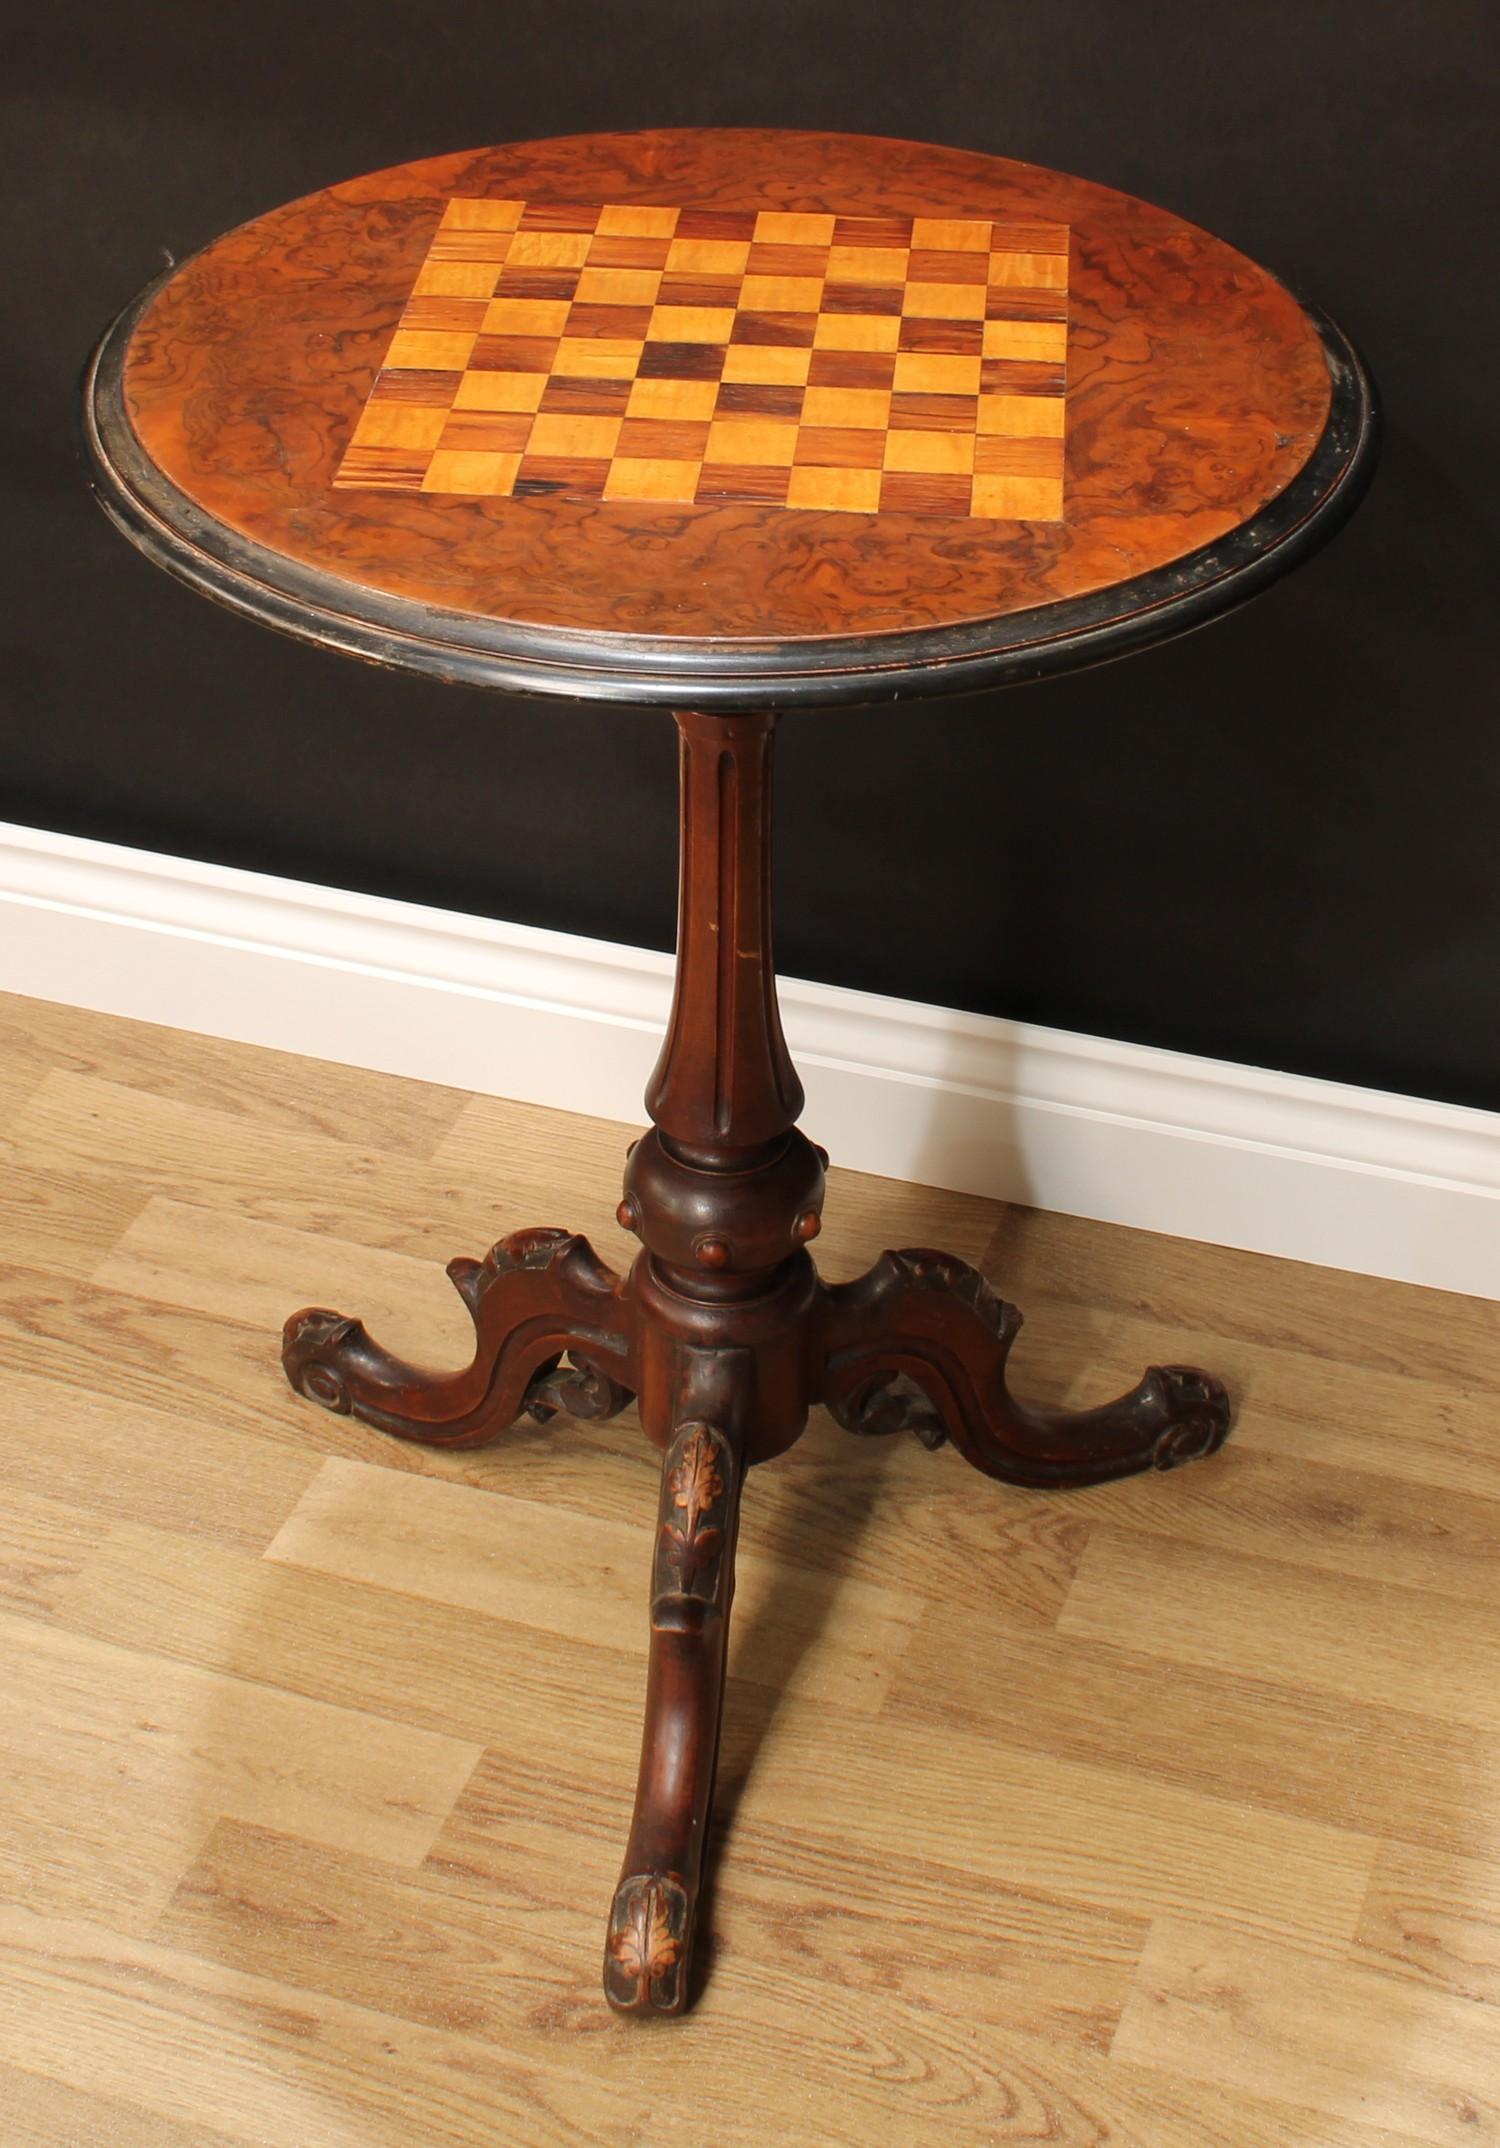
(725, 1082)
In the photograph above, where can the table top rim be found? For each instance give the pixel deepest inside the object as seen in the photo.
(320, 604)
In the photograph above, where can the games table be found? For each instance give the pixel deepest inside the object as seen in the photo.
(727, 423)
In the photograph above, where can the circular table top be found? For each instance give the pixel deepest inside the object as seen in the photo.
(726, 417)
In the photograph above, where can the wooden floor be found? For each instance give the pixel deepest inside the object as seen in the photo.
(1161, 1816)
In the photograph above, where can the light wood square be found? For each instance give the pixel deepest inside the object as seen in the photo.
(673, 399)
(454, 279)
(944, 301)
(708, 257)
(774, 227)
(856, 491)
(526, 316)
(470, 470)
(1018, 499)
(867, 264)
(411, 425)
(857, 332)
(500, 391)
(639, 478)
(597, 358)
(1033, 271)
(481, 215)
(549, 249)
(555, 433)
(766, 365)
(781, 294)
(436, 349)
(950, 234)
(936, 373)
(628, 222)
(738, 441)
(1023, 416)
(847, 406)
(691, 324)
(618, 287)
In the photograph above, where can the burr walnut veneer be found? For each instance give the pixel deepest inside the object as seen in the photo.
(726, 422)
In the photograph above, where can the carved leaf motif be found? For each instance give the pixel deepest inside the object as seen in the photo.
(646, 1947)
(695, 1482)
(690, 1554)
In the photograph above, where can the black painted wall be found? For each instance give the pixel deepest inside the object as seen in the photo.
(1275, 841)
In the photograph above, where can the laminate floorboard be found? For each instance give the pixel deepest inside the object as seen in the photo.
(1163, 1815)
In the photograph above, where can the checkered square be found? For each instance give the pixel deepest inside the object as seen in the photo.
(696, 356)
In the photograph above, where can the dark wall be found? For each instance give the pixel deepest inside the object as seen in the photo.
(1273, 841)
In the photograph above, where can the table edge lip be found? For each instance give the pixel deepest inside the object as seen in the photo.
(316, 605)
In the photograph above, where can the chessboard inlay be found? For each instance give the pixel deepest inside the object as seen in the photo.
(868, 364)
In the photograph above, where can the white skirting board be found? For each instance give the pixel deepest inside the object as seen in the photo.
(1240, 1156)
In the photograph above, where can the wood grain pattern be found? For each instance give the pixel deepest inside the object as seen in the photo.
(1197, 388)
(1435, 1918)
(1145, 1850)
(44, 2113)
(44, 1544)
(1032, 1963)
(1371, 1640)
(564, 372)
(1368, 1766)
(371, 1526)
(1216, 2005)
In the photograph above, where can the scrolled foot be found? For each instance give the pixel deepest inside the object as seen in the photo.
(920, 1344)
(552, 1332)
(648, 1945)
(1197, 1414)
(314, 1346)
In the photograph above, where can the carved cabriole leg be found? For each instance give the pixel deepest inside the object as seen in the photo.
(535, 1297)
(649, 1944)
(920, 1343)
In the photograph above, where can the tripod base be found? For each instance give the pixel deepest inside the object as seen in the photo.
(725, 1337)
(918, 1344)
